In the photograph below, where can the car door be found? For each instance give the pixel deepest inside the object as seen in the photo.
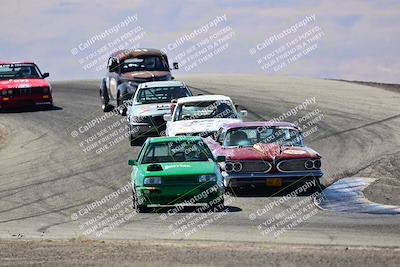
(136, 175)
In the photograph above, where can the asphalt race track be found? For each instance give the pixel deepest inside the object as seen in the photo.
(46, 178)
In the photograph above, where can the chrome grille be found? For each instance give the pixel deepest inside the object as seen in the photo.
(30, 91)
(180, 180)
(251, 166)
(158, 120)
(299, 165)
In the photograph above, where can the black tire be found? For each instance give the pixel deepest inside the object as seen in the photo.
(319, 187)
(104, 99)
(51, 105)
(136, 206)
(137, 141)
(133, 140)
(120, 107)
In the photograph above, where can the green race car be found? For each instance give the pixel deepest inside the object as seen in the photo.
(176, 171)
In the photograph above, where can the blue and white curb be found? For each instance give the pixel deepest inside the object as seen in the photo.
(346, 195)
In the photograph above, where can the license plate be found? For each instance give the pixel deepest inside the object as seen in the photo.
(274, 182)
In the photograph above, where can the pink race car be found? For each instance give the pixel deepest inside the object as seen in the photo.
(22, 84)
(265, 154)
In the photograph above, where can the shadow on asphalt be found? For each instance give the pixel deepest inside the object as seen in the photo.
(273, 192)
(193, 209)
(30, 109)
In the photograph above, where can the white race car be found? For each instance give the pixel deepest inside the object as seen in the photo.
(201, 115)
(151, 101)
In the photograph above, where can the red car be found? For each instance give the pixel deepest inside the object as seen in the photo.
(22, 84)
(265, 154)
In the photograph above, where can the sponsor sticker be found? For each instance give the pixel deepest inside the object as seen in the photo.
(294, 152)
(177, 166)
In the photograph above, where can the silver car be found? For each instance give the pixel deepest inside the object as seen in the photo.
(150, 103)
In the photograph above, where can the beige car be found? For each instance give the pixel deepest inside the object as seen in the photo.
(126, 69)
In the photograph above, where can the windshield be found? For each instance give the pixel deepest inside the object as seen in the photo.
(160, 94)
(150, 63)
(205, 110)
(266, 135)
(177, 151)
(19, 71)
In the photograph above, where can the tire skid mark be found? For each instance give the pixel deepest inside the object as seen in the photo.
(38, 214)
(397, 116)
(62, 177)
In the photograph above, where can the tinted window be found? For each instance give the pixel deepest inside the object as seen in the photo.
(19, 71)
(152, 63)
(253, 135)
(177, 151)
(205, 110)
(160, 94)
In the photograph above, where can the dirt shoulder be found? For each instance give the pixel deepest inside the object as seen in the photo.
(386, 170)
(385, 189)
(387, 86)
(184, 253)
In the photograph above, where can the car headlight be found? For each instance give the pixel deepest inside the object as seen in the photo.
(312, 164)
(233, 166)
(207, 178)
(309, 164)
(4, 92)
(317, 164)
(152, 180)
(46, 90)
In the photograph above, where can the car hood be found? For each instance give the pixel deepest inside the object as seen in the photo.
(195, 126)
(148, 75)
(23, 83)
(268, 152)
(181, 168)
(146, 110)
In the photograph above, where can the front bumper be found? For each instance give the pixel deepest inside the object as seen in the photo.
(173, 195)
(149, 126)
(203, 134)
(144, 129)
(239, 180)
(25, 101)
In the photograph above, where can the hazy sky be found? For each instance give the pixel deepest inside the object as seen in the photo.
(360, 40)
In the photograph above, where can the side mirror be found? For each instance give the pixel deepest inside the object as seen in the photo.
(176, 65)
(132, 162)
(236, 106)
(220, 158)
(243, 113)
(45, 75)
(112, 69)
(114, 66)
(167, 117)
(172, 78)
